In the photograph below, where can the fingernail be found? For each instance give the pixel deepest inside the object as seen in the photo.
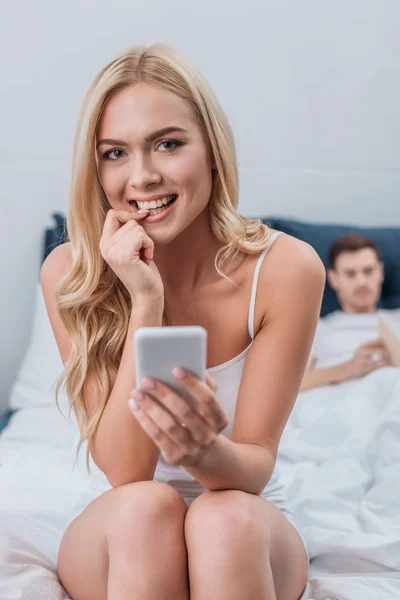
(147, 383)
(141, 211)
(133, 405)
(179, 372)
(137, 395)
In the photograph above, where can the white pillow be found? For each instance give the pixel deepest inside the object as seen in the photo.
(35, 384)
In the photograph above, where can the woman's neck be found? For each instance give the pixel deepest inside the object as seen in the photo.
(188, 262)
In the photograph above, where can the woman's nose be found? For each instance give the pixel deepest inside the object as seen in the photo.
(143, 172)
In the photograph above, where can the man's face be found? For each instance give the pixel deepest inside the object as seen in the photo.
(357, 280)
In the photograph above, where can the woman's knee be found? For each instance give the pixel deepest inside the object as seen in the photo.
(132, 520)
(223, 515)
(144, 507)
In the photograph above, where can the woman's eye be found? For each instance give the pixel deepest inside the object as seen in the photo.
(108, 154)
(175, 143)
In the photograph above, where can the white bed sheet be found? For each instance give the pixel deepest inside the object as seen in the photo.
(39, 491)
(339, 457)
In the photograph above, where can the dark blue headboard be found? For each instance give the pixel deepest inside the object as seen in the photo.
(54, 236)
(320, 236)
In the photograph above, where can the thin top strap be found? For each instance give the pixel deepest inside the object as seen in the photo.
(255, 280)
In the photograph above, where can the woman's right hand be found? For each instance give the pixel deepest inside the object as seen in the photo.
(128, 250)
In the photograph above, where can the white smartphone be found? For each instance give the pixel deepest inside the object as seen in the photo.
(158, 350)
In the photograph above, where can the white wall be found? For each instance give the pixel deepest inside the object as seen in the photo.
(312, 90)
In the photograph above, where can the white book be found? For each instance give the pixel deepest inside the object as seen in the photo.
(389, 331)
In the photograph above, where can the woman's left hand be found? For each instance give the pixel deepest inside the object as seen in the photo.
(182, 432)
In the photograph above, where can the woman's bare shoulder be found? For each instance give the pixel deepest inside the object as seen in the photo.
(55, 266)
(289, 251)
(290, 265)
(57, 263)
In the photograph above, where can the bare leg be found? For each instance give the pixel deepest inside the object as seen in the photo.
(241, 547)
(128, 544)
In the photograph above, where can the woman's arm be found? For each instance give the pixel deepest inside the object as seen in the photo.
(229, 465)
(290, 288)
(121, 449)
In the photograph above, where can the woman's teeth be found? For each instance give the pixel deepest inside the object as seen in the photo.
(156, 206)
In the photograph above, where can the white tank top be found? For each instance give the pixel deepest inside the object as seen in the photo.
(228, 376)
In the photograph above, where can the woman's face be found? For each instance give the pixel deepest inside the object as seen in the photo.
(137, 161)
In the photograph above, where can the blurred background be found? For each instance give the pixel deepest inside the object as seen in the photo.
(311, 88)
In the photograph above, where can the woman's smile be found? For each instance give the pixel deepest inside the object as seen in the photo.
(159, 213)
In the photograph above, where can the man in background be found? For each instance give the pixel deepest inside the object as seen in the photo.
(346, 343)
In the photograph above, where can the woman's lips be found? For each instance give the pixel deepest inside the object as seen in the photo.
(158, 217)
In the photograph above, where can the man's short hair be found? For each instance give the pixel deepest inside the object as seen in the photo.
(351, 242)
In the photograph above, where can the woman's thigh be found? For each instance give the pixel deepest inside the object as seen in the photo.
(83, 558)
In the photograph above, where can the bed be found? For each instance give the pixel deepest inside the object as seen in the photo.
(339, 457)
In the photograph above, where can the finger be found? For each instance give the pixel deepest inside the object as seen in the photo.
(130, 227)
(375, 364)
(372, 359)
(374, 344)
(188, 436)
(148, 248)
(179, 432)
(374, 341)
(372, 353)
(178, 408)
(165, 444)
(386, 358)
(138, 243)
(133, 232)
(368, 365)
(175, 453)
(201, 391)
(114, 220)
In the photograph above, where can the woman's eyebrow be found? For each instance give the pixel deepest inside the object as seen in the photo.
(149, 138)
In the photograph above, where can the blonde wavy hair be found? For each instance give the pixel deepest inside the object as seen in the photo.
(93, 303)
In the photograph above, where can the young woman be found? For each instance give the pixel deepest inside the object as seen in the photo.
(189, 506)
